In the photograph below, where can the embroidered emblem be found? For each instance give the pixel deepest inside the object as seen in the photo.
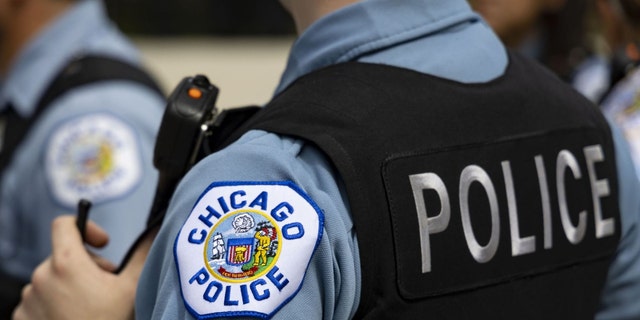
(94, 157)
(245, 247)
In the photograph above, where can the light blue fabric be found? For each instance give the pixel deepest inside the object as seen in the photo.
(591, 78)
(622, 105)
(622, 290)
(440, 37)
(27, 202)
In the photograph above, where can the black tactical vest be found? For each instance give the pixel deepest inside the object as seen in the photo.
(486, 201)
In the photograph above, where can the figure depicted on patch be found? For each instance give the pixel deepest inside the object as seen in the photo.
(217, 247)
(94, 161)
(239, 251)
(241, 255)
(243, 223)
(264, 235)
(245, 247)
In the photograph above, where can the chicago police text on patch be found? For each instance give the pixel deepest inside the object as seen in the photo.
(245, 247)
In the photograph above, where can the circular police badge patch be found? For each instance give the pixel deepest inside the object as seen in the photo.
(94, 157)
(245, 247)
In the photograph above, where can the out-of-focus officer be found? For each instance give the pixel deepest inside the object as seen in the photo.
(620, 20)
(616, 55)
(92, 140)
(409, 166)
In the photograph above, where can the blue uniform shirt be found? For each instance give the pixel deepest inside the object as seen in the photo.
(440, 37)
(622, 105)
(95, 142)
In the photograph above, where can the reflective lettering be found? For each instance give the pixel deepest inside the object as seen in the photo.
(546, 203)
(435, 224)
(568, 176)
(574, 234)
(469, 175)
(599, 189)
(519, 246)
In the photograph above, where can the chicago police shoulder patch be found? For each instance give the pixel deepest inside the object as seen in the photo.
(93, 156)
(245, 247)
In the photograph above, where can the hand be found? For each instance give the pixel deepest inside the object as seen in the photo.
(71, 284)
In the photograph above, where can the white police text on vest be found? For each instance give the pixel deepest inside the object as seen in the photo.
(566, 165)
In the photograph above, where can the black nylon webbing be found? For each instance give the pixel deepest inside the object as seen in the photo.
(79, 72)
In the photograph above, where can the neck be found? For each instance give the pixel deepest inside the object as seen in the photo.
(24, 22)
(306, 12)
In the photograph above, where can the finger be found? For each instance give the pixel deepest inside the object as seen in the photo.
(103, 263)
(19, 313)
(134, 266)
(66, 242)
(26, 292)
(25, 309)
(95, 235)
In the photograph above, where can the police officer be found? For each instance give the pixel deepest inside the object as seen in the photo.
(92, 141)
(441, 176)
(617, 52)
(622, 102)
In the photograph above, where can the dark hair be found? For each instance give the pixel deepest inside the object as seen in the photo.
(631, 9)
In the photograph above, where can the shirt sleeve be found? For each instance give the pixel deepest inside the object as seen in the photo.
(622, 290)
(330, 288)
(94, 142)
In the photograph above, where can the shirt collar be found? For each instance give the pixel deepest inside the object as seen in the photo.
(40, 61)
(368, 26)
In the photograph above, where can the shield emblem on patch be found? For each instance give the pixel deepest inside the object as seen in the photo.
(239, 251)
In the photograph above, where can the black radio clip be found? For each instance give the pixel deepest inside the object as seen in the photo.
(189, 113)
(191, 128)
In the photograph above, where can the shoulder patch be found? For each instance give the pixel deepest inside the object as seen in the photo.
(245, 247)
(93, 156)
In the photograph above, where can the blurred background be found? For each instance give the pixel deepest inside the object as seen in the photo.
(241, 45)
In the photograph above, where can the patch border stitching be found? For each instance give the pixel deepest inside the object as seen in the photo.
(284, 183)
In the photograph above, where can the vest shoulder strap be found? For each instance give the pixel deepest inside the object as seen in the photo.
(79, 72)
(90, 69)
